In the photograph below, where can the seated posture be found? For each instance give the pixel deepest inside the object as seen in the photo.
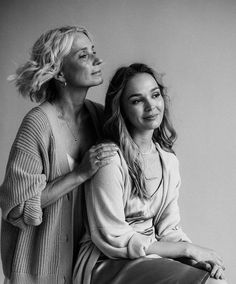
(133, 233)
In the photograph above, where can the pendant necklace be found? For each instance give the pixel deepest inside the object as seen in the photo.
(61, 117)
(75, 136)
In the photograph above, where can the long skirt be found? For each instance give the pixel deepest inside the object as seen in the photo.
(146, 271)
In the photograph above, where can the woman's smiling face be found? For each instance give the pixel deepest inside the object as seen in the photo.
(142, 103)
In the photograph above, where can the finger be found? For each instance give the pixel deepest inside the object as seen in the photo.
(219, 273)
(104, 162)
(221, 264)
(216, 263)
(214, 270)
(104, 151)
(203, 265)
(104, 155)
(106, 147)
(222, 276)
(219, 261)
(111, 144)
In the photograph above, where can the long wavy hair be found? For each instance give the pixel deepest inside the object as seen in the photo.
(116, 127)
(35, 79)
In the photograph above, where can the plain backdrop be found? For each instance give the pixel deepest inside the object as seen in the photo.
(194, 44)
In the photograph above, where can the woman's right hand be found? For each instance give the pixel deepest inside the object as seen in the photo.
(201, 254)
(215, 270)
(96, 157)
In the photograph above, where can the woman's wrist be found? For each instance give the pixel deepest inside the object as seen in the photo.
(78, 177)
(189, 250)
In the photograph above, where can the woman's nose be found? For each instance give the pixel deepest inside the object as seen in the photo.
(148, 105)
(97, 60)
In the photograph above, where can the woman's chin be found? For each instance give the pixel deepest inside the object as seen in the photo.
(97, 82)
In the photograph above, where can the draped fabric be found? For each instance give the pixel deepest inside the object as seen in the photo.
(122, 226)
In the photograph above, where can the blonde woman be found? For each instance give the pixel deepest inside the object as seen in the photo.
(133, 234)
(51, 157)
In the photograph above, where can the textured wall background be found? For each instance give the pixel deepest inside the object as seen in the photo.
(194, 43)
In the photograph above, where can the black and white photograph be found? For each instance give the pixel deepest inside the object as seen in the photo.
(118, 142)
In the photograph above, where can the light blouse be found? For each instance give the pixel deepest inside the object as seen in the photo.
(121, 225)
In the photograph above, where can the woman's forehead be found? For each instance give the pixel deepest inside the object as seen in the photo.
(141, 82)
(81, 41)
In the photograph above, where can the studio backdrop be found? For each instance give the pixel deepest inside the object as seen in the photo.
(193, 43)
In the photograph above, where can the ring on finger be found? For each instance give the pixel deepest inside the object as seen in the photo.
(97, 159)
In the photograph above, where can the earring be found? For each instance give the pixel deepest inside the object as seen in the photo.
(65, 84)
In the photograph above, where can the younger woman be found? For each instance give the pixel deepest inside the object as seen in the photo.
(133, 233)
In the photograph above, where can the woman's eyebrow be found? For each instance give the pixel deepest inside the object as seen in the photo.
(139, 94)
(134, 95)
(155, 89)
(75, 51)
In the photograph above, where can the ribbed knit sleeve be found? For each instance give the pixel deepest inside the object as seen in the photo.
(20, 193)
(105, 209)
(168, 226)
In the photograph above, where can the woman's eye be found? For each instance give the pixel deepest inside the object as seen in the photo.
(135, 102)
(83, 55)
(156, 95)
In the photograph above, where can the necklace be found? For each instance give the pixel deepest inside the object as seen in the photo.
(68, 124)
(149, 151)
(72, 131)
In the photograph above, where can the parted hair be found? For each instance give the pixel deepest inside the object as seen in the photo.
(35, 79)
(116, 127)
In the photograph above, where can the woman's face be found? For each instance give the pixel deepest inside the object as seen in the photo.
(81, 67)
(142, 104)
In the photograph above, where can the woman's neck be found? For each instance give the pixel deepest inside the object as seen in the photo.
(70, 102)
(144, 142)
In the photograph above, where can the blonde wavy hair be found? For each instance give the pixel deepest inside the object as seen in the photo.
(116, 127)
(34, 79)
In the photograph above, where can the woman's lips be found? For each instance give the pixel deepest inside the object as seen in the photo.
(151, 117)
(97, 72)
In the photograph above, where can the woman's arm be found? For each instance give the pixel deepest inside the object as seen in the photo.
(199, 257)
(82, 172)
(25, 191)
(105, 201)
(185, 249)
(173, 242)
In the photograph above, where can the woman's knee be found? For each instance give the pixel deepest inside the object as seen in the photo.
(216, 281)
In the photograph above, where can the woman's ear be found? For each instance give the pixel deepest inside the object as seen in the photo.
(60, 77)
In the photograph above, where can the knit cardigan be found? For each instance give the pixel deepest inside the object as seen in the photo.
(37, 244)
